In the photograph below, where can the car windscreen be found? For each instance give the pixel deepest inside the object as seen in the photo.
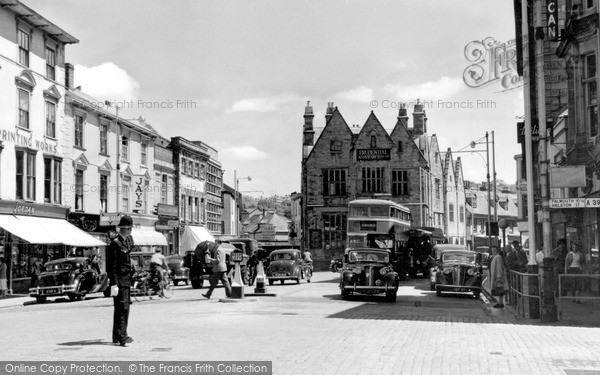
(458, 257)
(59, 266)
(368, 256)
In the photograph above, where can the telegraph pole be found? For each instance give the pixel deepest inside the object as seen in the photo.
(548, 311)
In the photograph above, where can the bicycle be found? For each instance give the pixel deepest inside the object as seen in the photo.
(146, 286)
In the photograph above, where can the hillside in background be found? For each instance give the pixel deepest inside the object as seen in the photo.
(282, 205)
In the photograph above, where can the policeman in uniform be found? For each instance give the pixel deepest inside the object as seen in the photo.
(120, 273)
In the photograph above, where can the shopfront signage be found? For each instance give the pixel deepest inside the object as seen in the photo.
(552, 20)
(29, 142)
(567, 177)
(535, 131)
(32, 209)
(173, 223)
(575, 203)
(139, 183)
(108, 219)
(267, 233)
(369, 154)
(167, 210)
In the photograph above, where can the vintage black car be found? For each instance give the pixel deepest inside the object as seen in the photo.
(199, 271)
(285, 264)
(368, 271)
(456, 270)
(74, 277)
(178, 271)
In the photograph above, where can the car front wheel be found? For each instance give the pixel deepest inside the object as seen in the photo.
(438, 291)
(345, 293)
(390, 296)
(431, 286)
(40, 299)
(197, 284)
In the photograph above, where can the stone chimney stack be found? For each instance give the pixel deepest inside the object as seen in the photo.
(403, 115)
(69, 76)
(330, 109)
(418, 119)
(309, 133)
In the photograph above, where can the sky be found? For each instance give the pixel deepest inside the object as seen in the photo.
(237, 74)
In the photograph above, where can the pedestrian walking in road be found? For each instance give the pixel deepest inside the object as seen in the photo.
(36, 270)
(252, 267)
(498, 279)
(216, 257)
(574, 263)
(3, 284)
(560, 256)
(120, 273)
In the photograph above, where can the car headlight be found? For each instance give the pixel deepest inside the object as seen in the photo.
(448, 270)
(378, 282)
(471, 271)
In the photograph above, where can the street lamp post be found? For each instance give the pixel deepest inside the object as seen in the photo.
(487, 164)
(237, 209)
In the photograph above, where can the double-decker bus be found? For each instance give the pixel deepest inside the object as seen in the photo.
(378, 223)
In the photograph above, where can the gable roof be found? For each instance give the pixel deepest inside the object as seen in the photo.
(399, 129)
(335, 118)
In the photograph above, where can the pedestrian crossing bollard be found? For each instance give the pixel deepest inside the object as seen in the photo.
(260, 279)
(237, 286)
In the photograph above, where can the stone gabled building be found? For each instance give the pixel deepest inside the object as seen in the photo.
(342, 163)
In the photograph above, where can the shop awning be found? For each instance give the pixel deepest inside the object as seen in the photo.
(143, 237)
(34, 234)
(193, 235)
(42, 230)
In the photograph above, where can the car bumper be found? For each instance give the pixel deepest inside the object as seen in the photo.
(459, 288)
(48, 291)
(370, 289)
(180, 277)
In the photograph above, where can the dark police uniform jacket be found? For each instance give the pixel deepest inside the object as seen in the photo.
(120, 269)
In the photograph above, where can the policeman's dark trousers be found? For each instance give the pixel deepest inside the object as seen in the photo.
(121, 315)
(214, 281)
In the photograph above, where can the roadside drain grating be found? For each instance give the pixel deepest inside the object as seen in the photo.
(161, 349)
(289, 314)
(496, 353)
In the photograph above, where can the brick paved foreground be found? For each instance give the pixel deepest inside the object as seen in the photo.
(307, 329)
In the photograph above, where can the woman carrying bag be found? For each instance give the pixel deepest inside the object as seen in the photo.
(498, 279)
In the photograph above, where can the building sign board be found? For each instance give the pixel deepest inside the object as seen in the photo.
(138, 191)
(574, 202)
(567, 177)
(552, 20)
(109, 218)
(535, 131)
(369, 154)
(167, 210)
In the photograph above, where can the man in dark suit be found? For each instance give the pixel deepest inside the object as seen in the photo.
(120, 273)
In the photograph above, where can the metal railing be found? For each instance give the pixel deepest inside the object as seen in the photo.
(576, 284)
(522, 289)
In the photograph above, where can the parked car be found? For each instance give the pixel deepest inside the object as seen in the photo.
(178, 271)
(456, 269)
(368, 271)
(285, 264)
(73, 277)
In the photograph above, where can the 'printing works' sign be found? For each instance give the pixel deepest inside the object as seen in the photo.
(367, 154)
